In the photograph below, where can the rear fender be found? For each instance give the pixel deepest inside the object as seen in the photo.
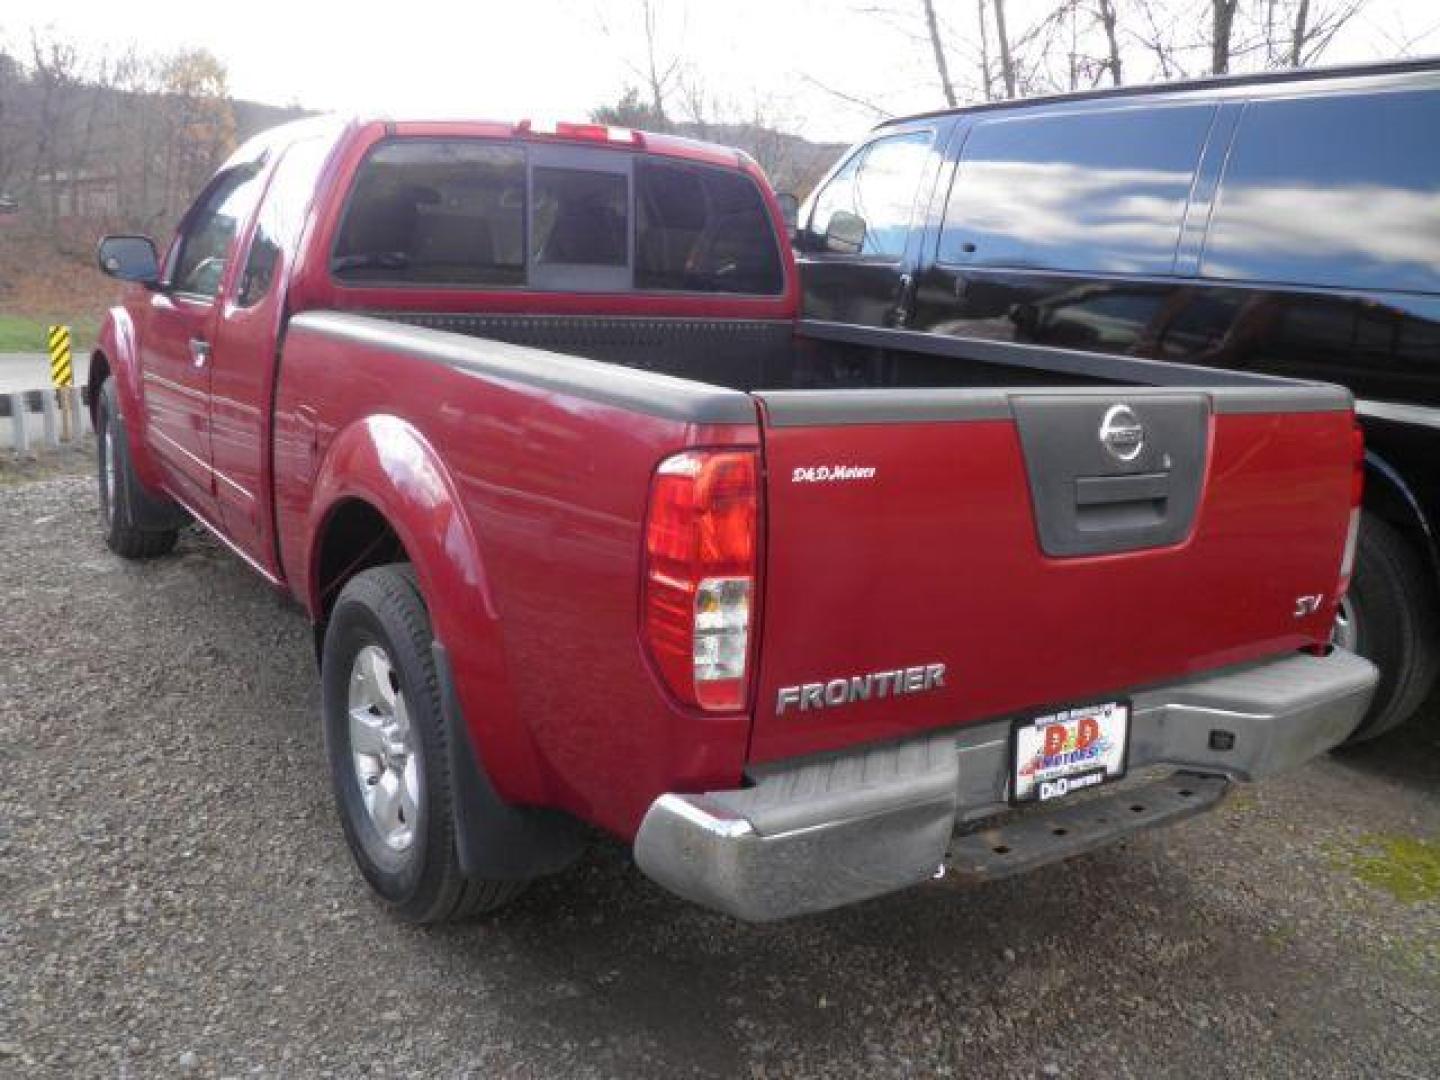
(387, 463)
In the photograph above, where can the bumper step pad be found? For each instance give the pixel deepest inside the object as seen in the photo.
(1039, 835)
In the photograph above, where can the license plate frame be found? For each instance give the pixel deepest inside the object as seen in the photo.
(1042, 784)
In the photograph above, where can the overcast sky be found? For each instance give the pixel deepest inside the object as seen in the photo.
(559, 58)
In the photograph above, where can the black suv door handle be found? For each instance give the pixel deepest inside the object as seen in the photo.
(904, 300)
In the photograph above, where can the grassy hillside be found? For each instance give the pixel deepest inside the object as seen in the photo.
(27, 333)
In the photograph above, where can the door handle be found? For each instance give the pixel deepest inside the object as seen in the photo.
(904, 300)
(199, 352)
(1108, 490)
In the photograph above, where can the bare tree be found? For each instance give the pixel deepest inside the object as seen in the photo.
(876, 110)
(11, 130)
(1007, 62)
(138, 83)
(986, 80)
(1295, 33)
(1109, 22)
(1222, 28)
(1156, 37)
(1297, 36)
(1315, 25)
(938, 46)
(658, 73)
(55, 70)
(200, 121)
(697, 104)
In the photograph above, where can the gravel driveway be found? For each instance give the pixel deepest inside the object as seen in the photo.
(176, 899)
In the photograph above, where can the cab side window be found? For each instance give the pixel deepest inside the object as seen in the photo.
(866, 208)
(210, 230)
(282, 216)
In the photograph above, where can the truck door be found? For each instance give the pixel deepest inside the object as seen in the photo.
(859, 238)
(176, 339)
(244, 350)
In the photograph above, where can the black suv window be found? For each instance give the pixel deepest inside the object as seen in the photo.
(1334, 190)
(702, 230)
(874, 195)
(423, 212)
(1102, 192)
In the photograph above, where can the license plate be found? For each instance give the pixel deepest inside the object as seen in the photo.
(1069, 751)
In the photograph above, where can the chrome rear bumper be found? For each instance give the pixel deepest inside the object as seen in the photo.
(817, 833)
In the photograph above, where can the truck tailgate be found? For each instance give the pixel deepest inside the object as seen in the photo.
(1045, 547)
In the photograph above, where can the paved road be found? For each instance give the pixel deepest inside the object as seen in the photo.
(31, 371)
(175, 897)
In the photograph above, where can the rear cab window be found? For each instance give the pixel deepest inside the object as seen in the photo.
(702, 230)
(471, 213)
(435, 213)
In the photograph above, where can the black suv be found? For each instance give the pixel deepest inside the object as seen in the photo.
(1286, 224)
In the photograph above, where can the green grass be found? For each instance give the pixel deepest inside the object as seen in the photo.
(26, 333)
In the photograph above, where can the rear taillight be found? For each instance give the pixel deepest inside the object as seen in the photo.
(700, 558)
(1357, 494)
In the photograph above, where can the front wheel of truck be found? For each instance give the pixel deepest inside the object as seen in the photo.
(1389, 618)
(385, 739)
(136, 523)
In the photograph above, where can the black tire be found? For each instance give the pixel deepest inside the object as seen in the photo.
(128, 511)
(1392, 608)
(422, 883)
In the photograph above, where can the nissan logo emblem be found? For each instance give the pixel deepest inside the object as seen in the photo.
(1121, 433)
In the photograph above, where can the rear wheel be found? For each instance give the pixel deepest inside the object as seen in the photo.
(1389, 617)
(137, 524)
(385, 738)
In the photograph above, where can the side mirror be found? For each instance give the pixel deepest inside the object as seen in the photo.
(845, 234)
(129, 258)
(789, 211)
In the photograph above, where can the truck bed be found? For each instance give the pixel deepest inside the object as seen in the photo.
(756, 355)
(928, 502)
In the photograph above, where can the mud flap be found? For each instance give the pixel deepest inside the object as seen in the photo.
(494, 840)
(137, 507)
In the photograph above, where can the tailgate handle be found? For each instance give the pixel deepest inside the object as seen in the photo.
(1117, 504)
(1108, 490)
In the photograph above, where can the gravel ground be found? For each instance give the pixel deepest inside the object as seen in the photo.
(176, 899)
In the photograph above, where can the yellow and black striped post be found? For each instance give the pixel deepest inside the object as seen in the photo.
(62, 374)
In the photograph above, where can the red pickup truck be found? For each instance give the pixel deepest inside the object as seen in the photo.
(593, 530)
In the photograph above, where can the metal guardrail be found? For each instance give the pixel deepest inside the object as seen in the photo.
(59, 411)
